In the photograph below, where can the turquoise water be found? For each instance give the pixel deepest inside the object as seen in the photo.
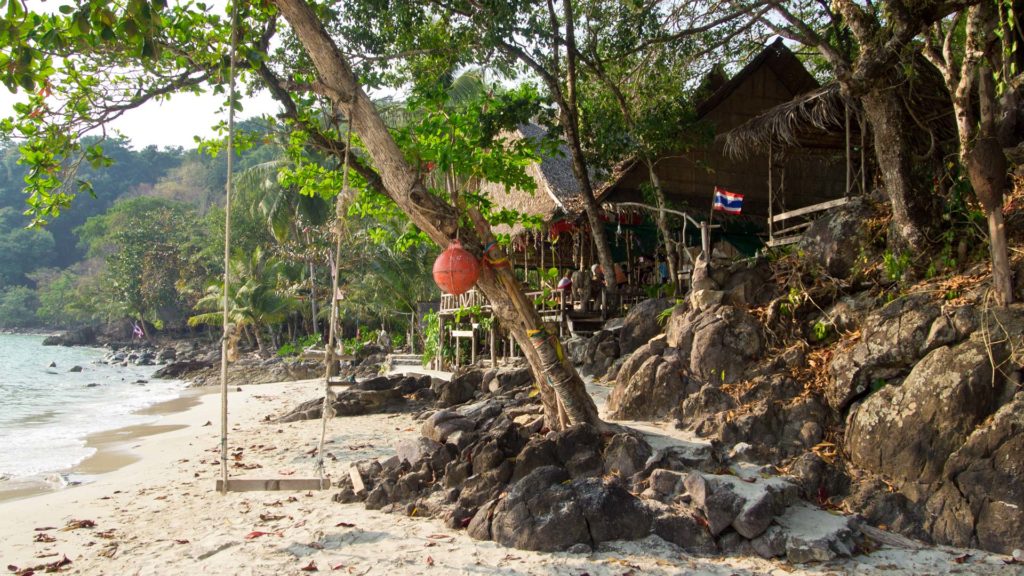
(46, 412)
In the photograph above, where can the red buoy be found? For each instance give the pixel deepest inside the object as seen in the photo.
(455, 269)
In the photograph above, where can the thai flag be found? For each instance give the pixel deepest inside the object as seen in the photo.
(726, 201)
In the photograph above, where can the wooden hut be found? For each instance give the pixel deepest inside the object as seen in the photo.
(688, 178)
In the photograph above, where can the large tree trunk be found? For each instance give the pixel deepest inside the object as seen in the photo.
(439, 220)
(911, 212)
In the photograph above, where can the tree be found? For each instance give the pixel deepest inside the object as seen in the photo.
(148, 244)
(867, 69)
(255, 297)
(970, 67)
(18, 307)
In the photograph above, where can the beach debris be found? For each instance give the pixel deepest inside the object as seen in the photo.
(344, 525)
(962, 558)
(271, 517)
(311, 567)
(208, 423)
(109, 550)
(430, 560)
(257, 533)
(108, 534)
(181, 541)
(76, 524)
(44, 537)
(51, 567)
(45, 528)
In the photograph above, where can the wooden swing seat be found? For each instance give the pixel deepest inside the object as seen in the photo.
(273, 484)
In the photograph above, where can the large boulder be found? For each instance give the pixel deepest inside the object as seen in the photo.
(461, 388)
(85, 336)
(893, 339)
(982, 500)
(907, 432)
(548, 511)
(725, 343)
(650, 383)
(834, 240)
(641, 324)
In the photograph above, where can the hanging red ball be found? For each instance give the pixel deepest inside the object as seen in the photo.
(455, 269)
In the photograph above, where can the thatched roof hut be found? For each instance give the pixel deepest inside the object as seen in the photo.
(775, 77)
(558, 192)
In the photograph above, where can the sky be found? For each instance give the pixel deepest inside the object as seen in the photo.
(171, 123)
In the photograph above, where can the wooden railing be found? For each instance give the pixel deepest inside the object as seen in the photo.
(793, 233)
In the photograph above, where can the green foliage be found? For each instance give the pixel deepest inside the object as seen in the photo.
(18, 307)
(895, 265)
(431, 334)
(150, 247)
(821, 330)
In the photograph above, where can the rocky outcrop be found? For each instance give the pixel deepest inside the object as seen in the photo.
(78, 337)
(893, 339)
(641, 324)
(835, 240)
(981, 501)
(907, 432)
(377, 395)
(650, 383)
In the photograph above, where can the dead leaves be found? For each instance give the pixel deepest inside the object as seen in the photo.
(258, 533)
(44, 537)
(52, 567)
(76, 524)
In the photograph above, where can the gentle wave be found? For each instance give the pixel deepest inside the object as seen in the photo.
(48, 412)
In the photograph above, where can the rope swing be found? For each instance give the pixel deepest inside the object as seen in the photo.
(322, 482)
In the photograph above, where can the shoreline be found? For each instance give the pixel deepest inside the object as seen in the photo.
(113, 449)
(161, 515)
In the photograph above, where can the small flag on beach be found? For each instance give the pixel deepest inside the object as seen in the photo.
(729, 202)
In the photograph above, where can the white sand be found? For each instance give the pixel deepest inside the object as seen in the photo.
(160, 514)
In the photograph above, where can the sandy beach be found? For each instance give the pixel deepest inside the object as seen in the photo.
(153, 510)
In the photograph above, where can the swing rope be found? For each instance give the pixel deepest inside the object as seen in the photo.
(226, 328)
(327, 410)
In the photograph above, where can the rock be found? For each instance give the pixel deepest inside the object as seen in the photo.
(460, 389)
(649, 385)
(701, 412)
(835, 239)
(641, 324)
(701, 277)
(684, 458)
(724, 345)
(684, 531)
(814, 535)
(75, 369)
(626, 455)
(705, 300)
(748, 507)
(79, 337)
(546, 511)
(412, 451)
(183, 368)
(537, 453)
(443, 423)
(578, 448)
(480, 526)
(907, 432)
(982, 500)
(770, 544)
(540, 512)
(611, 512)
(52, 365)
(893, 339)
(509, 378)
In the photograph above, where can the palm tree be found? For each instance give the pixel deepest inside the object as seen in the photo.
(255, 299)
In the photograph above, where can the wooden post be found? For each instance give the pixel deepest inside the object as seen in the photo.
(561, 315)
(472, 345)
(440, 342)
(494, 350)
(705, 240)
(771, 192)
(849, 160)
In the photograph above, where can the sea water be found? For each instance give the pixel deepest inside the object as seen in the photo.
(47, 412)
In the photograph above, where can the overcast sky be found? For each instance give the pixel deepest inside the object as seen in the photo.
(173, 123)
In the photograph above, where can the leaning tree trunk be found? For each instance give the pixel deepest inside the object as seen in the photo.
(911, 211)
(440, 221)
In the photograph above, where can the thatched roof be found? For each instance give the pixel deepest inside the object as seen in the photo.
(558, 191)
(815, 119)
